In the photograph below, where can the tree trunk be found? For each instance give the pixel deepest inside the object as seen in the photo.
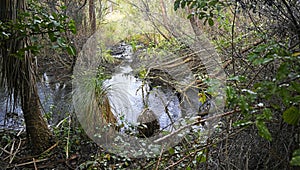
(92, 16)
(195, 24)
(19, 77)
(39, 136)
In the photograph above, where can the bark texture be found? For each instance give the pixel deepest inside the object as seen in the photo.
(18, 76)
(92, 16)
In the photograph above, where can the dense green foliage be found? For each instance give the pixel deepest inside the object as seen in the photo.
(204, 9)
(261, 97)
(39, 25)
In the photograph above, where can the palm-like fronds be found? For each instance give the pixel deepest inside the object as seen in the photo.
(18, 76)
(12, 68)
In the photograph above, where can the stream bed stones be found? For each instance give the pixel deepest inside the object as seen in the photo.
(148, 123)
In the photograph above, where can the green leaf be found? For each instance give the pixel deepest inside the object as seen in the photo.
(61, 42)
(242, 123)
(296, 54)
(34, 38)
(183, 3)
(171, 151)
(201, 157)
(285, 95)
(244, 105)
(263, 131)
(71, 50)
(176, 4)
(52, 36)
(63, 7)
(56, 23)
(252, 56)
(262, 60)
(202, 97)
(190, 16)
(237, 78)
(295, 86)
(291, 115)
(72, 26)
(210, 21)
(54, 46)
(142, 73)
(202, 15)
(267, 114)
(296, 152)
(213, 3)
(283, 71)
(192, 4)
(296, 158)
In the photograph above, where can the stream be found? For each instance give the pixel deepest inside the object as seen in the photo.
(128, 97)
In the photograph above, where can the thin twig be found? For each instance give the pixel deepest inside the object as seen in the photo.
(195, 123)
(35, 161)
(200, 149)
(4, 150)
(35, 168)
(68, 139)
(160, 156)
(232, 39)
(19, 133)
(53, 146)
(14, 154)
(12, 149)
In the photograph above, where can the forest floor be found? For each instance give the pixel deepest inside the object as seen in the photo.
(15, 153)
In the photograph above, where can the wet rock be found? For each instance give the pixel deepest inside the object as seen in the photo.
(117, 49)
(149, 123)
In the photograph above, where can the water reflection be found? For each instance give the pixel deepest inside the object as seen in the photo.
(9, 117)
(129, 97)
(55, 98)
